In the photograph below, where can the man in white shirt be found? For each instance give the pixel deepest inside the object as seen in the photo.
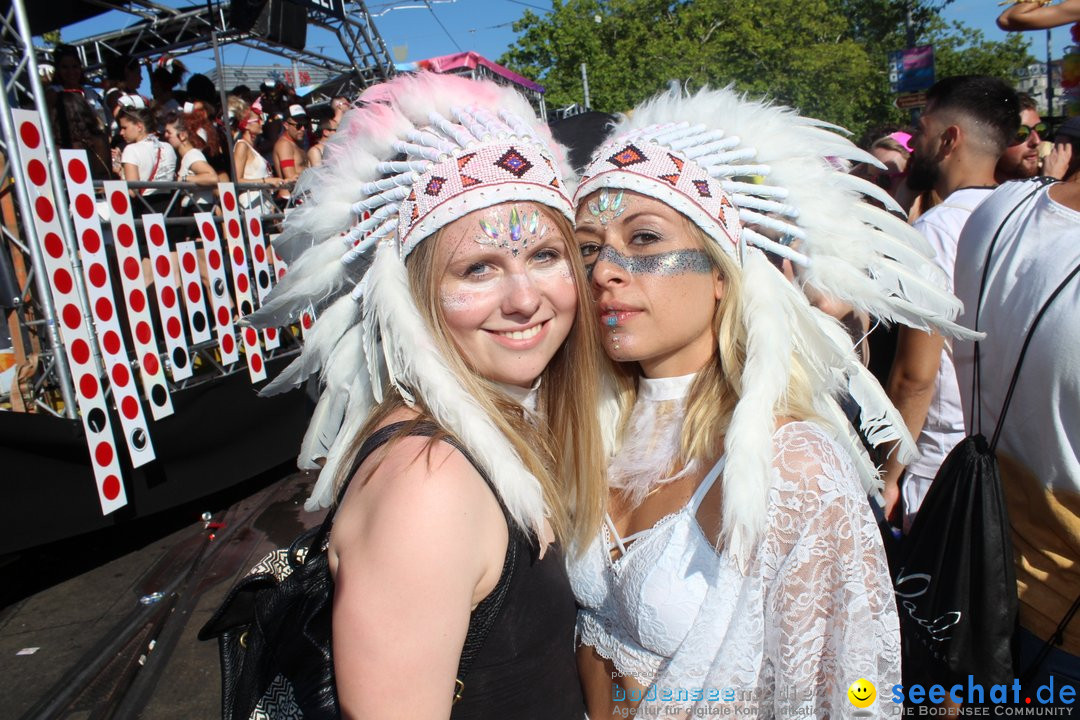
(968, 122)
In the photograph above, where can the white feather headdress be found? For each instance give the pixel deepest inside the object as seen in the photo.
(734, 166)
(420, 151)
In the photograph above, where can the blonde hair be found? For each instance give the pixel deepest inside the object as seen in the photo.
(564, 452)
(718, 385)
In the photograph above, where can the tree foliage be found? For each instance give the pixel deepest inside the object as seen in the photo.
(826, 57)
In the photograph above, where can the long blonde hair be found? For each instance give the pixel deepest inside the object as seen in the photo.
(564, 451)
(718, 385)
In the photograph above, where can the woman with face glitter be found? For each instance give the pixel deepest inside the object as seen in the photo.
(739, 565)
(457, 432)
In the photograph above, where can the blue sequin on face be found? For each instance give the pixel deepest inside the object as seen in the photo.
(674, 262)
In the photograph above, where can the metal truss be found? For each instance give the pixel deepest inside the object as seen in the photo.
(162, 29)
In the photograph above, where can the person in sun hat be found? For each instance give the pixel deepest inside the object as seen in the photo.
(436, 247)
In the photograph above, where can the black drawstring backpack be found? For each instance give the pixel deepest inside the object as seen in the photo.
(953, 573)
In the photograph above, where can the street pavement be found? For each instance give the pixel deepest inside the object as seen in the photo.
(104, 626)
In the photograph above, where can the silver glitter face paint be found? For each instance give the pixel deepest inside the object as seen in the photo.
(453, 300)
(674, 262)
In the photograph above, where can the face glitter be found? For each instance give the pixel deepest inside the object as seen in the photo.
(515, 234)
(606, 207)
(674, 262)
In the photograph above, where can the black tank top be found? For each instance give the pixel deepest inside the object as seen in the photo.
(525, 667)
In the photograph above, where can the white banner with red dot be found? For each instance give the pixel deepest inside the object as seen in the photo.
(74, 329)
(143, 337)
(241, 281)
(193, 292)
(114, 351)
(220, 305)
(260, 264)
(168, 296)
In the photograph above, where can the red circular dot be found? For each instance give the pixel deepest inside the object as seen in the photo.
(306, 321)
(242, 283)
(103, 308)
(168, 296)
(35, 170)
(72, 316)
(130, 407)
(280, 272)
(194, 292)
(260, 253)
(189, 262)
(208, 230)
(234, 228)
(162, 266)
(84, 206)
(173, 327)
(125, 236)
(77, 171)
(44, 209)
(103, 453)
(223, 315)
(1027, 700)
(120, 375)
(229, 201)
(54, 245)
(238, 255)
(255, 225)
(119, 202)
(256, 363)
(227, 344)
(91, 241)
(80, 351)
(250, 337)
(110, 488)
(88, 386)
(62, 281)
(97, 275)
(142, 332)
(150, 364)
(271, 333)
(132, 269)
(213, 259)
(157, 234)
(30, 135)
(111, 342)
(137, 300)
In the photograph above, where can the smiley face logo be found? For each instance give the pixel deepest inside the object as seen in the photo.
(862, 693)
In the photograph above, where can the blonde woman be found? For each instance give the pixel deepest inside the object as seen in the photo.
(739, 564)
(458, 423)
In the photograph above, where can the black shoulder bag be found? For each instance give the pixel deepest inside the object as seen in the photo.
(274, 627)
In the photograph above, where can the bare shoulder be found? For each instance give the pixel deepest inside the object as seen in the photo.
(414, 493)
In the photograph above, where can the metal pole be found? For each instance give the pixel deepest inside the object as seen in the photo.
(224, 104)
(41, 280)
(1049, 76)
(585, 84)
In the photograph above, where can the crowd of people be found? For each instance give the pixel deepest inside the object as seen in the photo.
(615, 436)
(182, 134)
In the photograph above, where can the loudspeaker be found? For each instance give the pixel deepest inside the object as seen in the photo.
(278, 21)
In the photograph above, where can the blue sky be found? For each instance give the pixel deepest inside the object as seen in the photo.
(412, 30)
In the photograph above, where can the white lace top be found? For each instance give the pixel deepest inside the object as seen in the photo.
(813, 614)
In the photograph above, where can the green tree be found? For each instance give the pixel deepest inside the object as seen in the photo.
(826, 57)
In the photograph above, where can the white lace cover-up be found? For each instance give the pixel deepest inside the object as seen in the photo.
(814, 613)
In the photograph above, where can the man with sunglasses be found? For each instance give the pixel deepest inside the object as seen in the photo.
(1021, 158)
(290, 155)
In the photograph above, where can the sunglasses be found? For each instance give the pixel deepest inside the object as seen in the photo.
(1025, 132)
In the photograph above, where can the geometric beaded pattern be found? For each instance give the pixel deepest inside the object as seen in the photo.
(512, 161)
(673, 173)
